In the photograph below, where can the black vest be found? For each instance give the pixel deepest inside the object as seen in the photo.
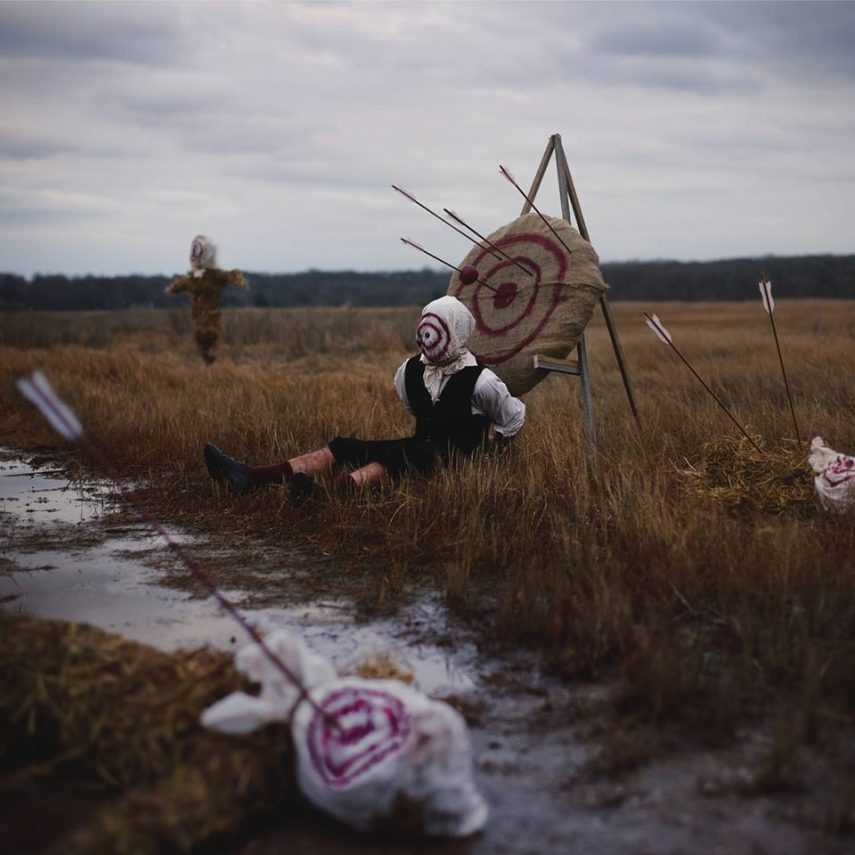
(449, 422)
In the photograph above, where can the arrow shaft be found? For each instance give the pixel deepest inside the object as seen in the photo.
(786, 381)
(715, 397)
(489, 242)
(537, 211)
(443, 261)
(706, 386)
(105, 465)
(443, 221)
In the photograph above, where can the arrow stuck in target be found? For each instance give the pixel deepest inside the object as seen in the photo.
(466, 225)
(424, 207)
(468, 274)
(507, 174)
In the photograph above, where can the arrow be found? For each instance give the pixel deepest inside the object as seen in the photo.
(442, 220)
(63, 420)
(506, 172)
(664, 336)
(487, 241)
(420, 248)
(769, 305)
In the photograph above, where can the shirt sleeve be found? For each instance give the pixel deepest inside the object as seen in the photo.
(401, 385)
(492, 399)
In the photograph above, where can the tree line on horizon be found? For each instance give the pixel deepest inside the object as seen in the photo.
(829, 276)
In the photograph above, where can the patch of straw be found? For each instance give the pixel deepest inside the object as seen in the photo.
(732, 473)
(96, 706)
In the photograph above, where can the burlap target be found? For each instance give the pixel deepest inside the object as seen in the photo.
(518, 315)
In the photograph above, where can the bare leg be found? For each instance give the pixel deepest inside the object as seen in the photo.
(372, 475)
(313, 462)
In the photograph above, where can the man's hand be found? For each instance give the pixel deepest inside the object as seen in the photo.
(501, 444)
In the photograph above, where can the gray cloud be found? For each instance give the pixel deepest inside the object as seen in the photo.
(680, 39)
(85, 32)
(32, 148)
(793, 39)
(143, 124)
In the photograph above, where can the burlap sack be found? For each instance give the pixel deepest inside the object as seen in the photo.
(520, 314)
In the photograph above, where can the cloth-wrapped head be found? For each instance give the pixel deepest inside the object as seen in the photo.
(203, 253)
(444, 329)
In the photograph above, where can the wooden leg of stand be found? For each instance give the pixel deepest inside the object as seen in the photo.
(538, 176)
(564, 172)
(587, 403)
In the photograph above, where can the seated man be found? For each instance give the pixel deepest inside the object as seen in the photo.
(454, 399)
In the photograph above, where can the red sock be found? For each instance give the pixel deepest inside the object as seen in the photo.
(277, 473)
(344, 484)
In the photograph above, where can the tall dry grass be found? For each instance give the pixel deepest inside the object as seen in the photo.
(605, 562)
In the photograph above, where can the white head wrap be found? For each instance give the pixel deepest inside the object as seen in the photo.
(203, 253)
(443, 331)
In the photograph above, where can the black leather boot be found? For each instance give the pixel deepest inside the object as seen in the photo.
(223, 468)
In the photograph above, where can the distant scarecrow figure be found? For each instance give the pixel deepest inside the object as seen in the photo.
(205, 283)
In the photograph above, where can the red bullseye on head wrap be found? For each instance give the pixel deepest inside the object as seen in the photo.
(434, 337)
(356, 729)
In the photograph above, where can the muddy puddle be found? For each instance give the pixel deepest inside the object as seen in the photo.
(102, 575)
(60, 557)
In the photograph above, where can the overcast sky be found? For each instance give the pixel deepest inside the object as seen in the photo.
(693, 130)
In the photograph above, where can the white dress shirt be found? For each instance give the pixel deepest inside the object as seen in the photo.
(490, 398)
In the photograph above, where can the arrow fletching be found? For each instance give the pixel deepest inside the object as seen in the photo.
(59, 415)
(507, 173)
(766, 293)
(658, 328)
(405, 193)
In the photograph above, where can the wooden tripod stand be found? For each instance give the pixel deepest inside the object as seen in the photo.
(579, 368)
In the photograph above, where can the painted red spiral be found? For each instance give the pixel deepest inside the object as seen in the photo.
(354, 730)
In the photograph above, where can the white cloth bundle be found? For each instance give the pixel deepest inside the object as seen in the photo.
(369, 752)
(835, 476)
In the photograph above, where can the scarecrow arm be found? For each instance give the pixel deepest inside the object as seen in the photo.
(179, 284)
(237, 279)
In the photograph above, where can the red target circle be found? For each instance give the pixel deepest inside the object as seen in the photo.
(434, 337)
(511, 307)
(505, 294)
(353, 730)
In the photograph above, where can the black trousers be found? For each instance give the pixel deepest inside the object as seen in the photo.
(412, 455)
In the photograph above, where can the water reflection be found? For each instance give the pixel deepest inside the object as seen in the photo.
(61, 563)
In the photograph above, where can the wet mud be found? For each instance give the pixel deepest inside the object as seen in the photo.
(536, 740)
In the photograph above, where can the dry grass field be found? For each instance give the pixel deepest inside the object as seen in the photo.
(708, 601)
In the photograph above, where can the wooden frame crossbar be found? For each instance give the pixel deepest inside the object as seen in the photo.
(569, 199)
